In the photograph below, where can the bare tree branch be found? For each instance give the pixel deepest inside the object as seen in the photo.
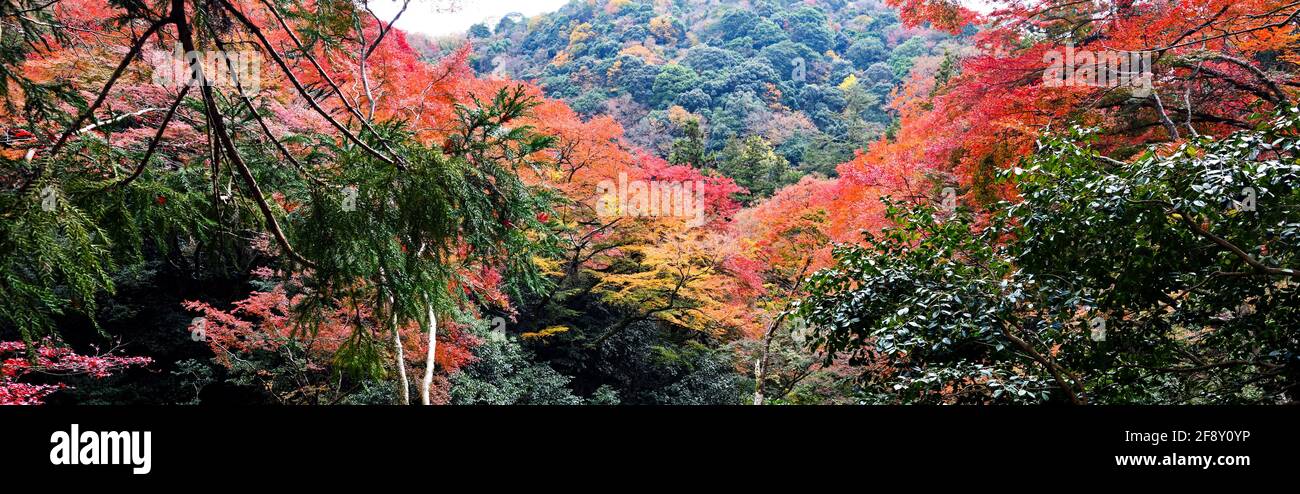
(284, 67)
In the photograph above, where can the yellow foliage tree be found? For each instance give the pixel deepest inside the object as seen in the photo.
(640, 51)
(679, 280)
(561, 58)
(679, 116)
(667, 28)
(849, 82)
(580, 33)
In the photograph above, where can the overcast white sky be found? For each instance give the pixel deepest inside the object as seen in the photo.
(430, 17)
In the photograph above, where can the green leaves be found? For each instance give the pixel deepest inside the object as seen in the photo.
(1182, 256)
(414, 235)
(52, 258)
(924, 291)
(64, 240)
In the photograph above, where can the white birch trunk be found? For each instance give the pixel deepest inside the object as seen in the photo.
(401, 359)
(425, 387)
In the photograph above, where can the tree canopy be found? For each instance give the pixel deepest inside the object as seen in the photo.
(649, 202)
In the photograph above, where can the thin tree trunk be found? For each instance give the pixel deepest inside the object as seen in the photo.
(425, 387)
(760, 366)
(405, 393)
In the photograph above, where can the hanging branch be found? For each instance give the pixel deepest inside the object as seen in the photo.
(384, 28)
(1288, 20)
(224, 140)
(108, 86)
(761, 366)
(153, 144)
(266, 129)
(75, 127)
(37, 8)
(284, 67)
(1282, 98)
(361, 65)
(101, 123)
(365, 123)
(1063, 377)
(1227, 245)
(1164, 117)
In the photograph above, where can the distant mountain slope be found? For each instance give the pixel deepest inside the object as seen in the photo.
(765, 90)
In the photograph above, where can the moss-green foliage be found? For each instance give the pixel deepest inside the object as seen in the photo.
(505, 373)
(647, 363)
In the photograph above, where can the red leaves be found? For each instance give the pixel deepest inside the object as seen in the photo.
(261, 322)
(49, 359)
(947, 15)
(264, 321)
(748, 272)
(26, 394)
(719, 206)
(284, 202)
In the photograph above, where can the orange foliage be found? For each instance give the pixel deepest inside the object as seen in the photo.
(962, 130)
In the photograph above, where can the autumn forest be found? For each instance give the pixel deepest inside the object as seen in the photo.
(650, 202)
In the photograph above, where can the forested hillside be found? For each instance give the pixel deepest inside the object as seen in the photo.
(651, 202)
(764, 91)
